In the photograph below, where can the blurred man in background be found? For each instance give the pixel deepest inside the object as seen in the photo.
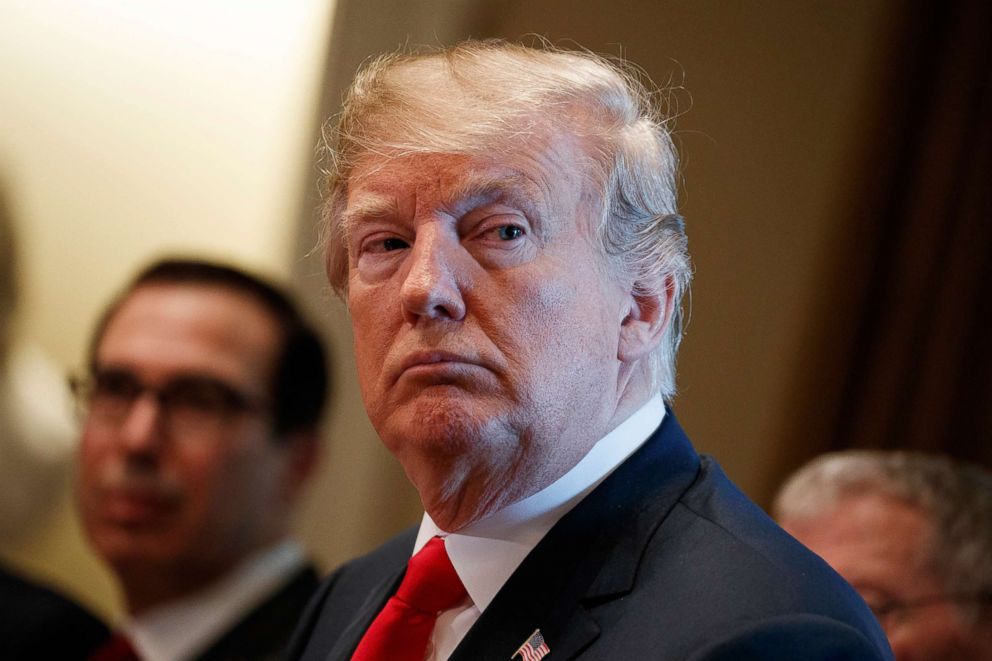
(913, 534)
(202, 405)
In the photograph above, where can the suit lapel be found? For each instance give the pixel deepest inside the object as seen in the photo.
(352, 635)
(589, 557)
(266, 628)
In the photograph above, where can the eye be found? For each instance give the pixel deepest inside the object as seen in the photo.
(509, 232)
(205, 395)
(116, 385)
(383, 244)
(502, 239)
(393, 244)
(198, 396)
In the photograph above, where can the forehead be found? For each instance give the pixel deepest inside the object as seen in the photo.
(546, 171)
(166, 329)
(449, 181)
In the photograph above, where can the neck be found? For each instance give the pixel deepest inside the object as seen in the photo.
(151, 589)
(150, 585)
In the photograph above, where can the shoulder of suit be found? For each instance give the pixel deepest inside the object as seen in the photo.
(797, 636)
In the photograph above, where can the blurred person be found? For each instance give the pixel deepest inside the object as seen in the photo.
(913, 534)
(502, 224)
(202, 404)
(34, 454)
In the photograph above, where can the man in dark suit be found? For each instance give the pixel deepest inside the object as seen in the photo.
(202, 405)
(502, 223)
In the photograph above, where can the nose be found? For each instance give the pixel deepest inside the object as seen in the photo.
(141, 430)
(433, 286)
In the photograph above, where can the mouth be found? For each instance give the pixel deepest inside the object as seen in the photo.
(438, 366)
(137, 507)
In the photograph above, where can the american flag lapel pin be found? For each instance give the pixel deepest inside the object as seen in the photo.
(533, 649)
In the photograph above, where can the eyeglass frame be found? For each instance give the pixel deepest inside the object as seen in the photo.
(168, 397)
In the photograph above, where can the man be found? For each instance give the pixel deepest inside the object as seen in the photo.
(502, 224)
(913, 534)
(202, 401)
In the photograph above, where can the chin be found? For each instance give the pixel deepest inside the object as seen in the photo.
(441, 428)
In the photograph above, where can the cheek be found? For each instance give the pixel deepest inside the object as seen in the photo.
(372, 333)
(88, 458)
(85, 485)
(370, 349)
(94, 459)
(548, 337)
(217, 495)
(563, 323)
(206, 470)
(206, 475)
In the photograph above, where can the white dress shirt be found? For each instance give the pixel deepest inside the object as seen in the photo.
(182, 629)
(488, 551)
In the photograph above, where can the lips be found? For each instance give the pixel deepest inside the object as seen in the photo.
(137, 507)
(438, 366)
(426, 358)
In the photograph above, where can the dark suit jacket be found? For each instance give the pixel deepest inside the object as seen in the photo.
(264, 632)
(665, 559)
(37, 623)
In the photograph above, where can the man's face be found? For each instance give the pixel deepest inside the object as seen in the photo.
(486, 323)
(876, 542)
(191, 498)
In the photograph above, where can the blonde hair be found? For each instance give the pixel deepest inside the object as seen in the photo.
(493, 97)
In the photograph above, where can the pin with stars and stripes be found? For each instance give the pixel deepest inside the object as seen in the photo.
(533, 649)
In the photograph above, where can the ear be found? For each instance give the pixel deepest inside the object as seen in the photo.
(642, 329)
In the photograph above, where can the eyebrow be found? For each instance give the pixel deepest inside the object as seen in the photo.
(487, 187)
(475, 190)
(369, 205)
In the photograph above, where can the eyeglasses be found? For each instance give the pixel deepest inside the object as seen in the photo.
(189, 405)
(894, 612)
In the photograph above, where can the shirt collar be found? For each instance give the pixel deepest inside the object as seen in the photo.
(488, 551)
(180, 629)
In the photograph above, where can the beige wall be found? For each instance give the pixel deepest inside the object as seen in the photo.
(128, 129)
(133, 128)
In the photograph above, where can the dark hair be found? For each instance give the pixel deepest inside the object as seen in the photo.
(301, 381)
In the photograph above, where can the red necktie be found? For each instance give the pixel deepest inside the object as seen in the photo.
(116, 648)
(403, 627)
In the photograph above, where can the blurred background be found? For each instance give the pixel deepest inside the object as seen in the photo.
(836, 165)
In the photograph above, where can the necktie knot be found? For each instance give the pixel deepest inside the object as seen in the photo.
(431, 583)
(402, 630)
